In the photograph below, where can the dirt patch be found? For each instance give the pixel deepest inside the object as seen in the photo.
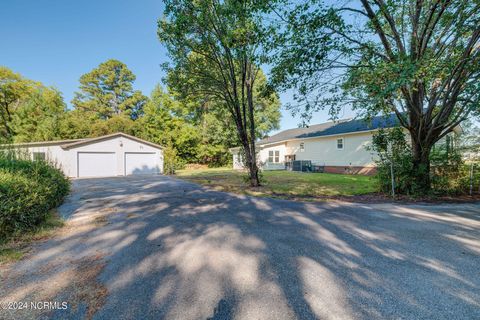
(195, 166)
(74, 282)
(85, 287)
(51, 271)
(100, 221)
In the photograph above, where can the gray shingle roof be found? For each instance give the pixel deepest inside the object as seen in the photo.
(82, 142)
(67, 144)
(333, 128)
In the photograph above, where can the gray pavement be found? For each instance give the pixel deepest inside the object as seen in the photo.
(170, 249)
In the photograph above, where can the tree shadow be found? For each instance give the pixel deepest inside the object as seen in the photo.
(176, 250)
(223, 311)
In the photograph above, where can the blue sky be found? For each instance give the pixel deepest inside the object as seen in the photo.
(55, 42)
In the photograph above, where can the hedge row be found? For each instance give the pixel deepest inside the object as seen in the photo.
(28, 191)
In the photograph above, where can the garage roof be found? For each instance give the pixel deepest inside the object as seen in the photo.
(333, 128)
(83, 142)
(69, 144)
(41, 143)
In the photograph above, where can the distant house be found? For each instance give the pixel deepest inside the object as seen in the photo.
(116, 154)
(335, 147)
(471, 152)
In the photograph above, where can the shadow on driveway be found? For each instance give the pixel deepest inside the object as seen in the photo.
(169, 249)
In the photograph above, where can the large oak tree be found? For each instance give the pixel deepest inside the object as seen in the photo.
(419, 59)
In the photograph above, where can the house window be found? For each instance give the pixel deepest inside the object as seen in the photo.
(39, 156)
(340, 144)
(302, 146)
(274, 156)
(238, 158)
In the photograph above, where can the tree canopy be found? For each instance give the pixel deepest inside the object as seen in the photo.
(194, 130)
(417, 59)
(29, 111)
(216, 52)
(164, 122)
(40, 117)
(107, 91)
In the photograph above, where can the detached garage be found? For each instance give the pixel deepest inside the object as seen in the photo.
(117, 154)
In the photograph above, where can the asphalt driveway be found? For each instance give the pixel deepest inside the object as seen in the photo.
(161, 248)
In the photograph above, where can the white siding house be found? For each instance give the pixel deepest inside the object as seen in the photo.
(336, 147)
(337, 154)
(237, 159)
(117, 154)
(349, 149)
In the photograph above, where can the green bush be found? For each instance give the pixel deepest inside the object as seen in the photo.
(171, 161)
(28, 191)
(391, 147)
(449, 174)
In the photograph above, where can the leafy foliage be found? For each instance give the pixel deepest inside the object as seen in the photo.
(108, 90)
(28, 190)
(393, 153)
(417, 59)
(40, 117)
(198, 129)
(215, 50)
(449, 174)
(171, 161)
(13, 89)
(29, 111)
(469, 145)
(217, 135)
(164, 122)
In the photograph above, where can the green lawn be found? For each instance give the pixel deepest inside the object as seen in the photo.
(283, 184)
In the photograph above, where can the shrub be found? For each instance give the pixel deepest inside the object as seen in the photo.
(448, 173)
(471, 181)
(215, 156)
(393, 150)
(171, 161)
(28, 191)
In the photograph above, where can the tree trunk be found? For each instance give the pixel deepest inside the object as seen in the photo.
(251, 164)
(421, 166)
(254, 180)
(253, 171)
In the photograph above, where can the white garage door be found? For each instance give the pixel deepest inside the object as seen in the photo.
(141, 163)
(97, 164)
